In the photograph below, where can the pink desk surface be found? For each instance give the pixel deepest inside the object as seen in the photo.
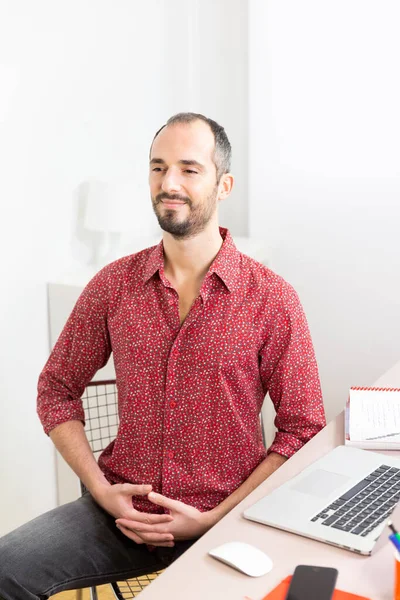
(197, 576)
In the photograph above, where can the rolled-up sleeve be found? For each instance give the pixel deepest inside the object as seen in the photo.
(289, 374)
(82, 349)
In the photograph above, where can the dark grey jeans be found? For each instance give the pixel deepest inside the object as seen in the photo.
(73, 546)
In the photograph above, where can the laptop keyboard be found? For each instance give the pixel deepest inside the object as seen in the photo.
(366, 505)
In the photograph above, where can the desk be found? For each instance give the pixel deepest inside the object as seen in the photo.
(197, 576)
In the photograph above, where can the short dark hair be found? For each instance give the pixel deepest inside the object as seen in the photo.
(222, 148)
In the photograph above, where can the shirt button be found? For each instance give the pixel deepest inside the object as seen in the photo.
(170, 454)
(172, 404)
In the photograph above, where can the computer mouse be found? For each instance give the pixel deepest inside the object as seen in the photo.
(244, 557)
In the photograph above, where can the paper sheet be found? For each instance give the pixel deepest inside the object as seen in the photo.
(373, 414)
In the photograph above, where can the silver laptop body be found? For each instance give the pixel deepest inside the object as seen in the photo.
(331, 499)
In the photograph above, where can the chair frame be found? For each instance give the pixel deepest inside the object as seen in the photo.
(101, 427)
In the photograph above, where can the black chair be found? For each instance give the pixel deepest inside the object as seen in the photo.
(100, 402)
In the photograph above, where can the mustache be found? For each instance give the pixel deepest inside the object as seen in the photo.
(160, 197)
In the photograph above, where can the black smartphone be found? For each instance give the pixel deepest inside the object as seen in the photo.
(312, 583)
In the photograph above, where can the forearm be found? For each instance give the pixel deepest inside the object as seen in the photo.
(272, 462)
(70, 440)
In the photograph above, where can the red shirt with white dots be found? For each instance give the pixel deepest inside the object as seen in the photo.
(189, 395)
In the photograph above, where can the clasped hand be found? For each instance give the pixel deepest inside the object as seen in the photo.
(183, 521)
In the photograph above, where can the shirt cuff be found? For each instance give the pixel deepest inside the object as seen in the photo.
(286, 444)
(68, 413)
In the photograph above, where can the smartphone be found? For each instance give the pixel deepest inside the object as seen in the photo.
(312, 583)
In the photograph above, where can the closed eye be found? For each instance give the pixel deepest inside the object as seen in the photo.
(190, 171)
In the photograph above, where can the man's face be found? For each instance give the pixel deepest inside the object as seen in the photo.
(183, 179)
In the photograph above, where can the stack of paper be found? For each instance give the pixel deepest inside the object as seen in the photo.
(373, 418)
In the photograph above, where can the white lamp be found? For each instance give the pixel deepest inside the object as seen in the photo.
(116, 208)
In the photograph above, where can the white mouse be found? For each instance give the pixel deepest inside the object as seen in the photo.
(244, 557)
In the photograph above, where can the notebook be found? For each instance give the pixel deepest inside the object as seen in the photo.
(344, 498)
(372, 418)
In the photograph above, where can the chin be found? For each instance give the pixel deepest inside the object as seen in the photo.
(176, 229)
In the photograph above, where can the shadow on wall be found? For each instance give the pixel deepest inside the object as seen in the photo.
(85, 243)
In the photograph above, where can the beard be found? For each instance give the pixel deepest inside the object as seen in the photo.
(197, 220)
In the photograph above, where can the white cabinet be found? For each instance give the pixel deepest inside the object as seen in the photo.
(63, 294)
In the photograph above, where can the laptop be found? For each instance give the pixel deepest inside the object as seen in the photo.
(344, 498)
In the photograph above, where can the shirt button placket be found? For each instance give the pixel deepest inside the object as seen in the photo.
(171, 403)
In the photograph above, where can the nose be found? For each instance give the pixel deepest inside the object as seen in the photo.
(171, 182)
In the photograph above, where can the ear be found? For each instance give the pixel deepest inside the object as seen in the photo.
(225, 186)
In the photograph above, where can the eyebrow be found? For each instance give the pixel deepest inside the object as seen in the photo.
(194, 163)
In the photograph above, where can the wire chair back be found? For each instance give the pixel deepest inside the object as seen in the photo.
(100, 403)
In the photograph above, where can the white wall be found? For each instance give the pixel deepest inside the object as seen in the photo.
(324, 173)
(88, 84)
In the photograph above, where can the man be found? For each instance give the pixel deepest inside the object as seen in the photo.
(199, 334)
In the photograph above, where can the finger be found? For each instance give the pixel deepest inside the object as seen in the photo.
(161, 500)
(149, 518)
(148, 538)
(146, 535)
(142, 527)
(165, 544)
(157, 538)
(130, 534)
(136, 490)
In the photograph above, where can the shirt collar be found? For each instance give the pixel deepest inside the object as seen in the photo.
(226, 263)
(155, 262)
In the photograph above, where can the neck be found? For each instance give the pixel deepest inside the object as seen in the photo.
(191, 258)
